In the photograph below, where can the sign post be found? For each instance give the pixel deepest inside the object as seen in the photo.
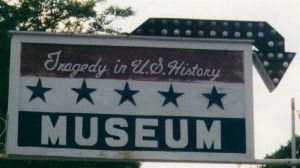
(130, 98)
(293, 141)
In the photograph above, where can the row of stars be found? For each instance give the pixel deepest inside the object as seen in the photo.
(127, 94)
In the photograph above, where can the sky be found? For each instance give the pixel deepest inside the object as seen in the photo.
(272, 111)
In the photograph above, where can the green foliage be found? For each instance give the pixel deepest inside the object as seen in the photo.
(52, 16)
(64, 164)
(284, 152)
(117, 11)
(101, 20)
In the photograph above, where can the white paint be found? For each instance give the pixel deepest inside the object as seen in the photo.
(183, 140)
(148, 100)
(141, 132)
(180, 68)
(93, 137)
(53, 63)
(211, 137)
(112, 130)
(56, 133)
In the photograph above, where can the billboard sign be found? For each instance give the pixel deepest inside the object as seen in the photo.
(133, 98)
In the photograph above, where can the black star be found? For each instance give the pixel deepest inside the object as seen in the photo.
(170, 96)
(38, 91)
(126, 94)
(214, 98)
(84, 92)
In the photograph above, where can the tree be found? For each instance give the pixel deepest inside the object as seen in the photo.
(284, 152)
(52, 16)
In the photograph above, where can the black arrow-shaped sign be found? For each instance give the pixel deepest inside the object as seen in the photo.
(270, 58)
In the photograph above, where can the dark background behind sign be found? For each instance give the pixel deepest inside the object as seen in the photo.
(33, 57)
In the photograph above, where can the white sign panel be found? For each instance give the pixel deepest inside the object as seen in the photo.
(133, 98)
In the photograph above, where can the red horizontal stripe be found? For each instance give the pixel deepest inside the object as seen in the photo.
(138, 63)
